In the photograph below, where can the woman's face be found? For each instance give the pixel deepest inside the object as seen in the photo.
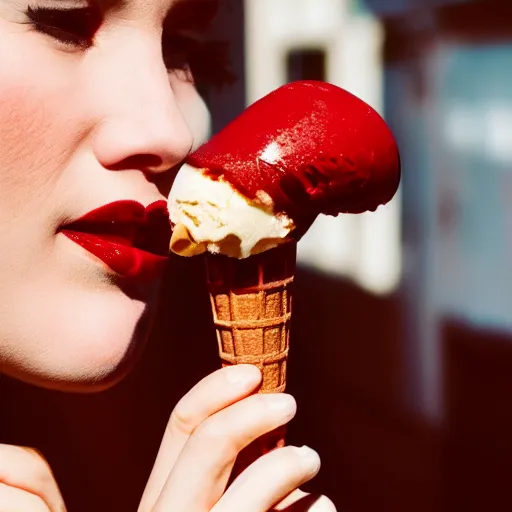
(97, 105)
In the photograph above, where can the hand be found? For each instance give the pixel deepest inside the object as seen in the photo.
(205, 433)
(26, 482)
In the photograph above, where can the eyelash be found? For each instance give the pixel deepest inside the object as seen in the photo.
(71, 27)
(203, 62)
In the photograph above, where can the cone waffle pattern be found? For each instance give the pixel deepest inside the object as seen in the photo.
(251, 303)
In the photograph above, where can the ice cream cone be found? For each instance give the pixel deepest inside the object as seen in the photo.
(251, 301)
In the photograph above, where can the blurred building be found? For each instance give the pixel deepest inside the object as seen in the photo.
(448, 99)
(449, 102)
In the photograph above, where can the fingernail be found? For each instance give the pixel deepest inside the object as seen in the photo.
(244, 373)
(310, 459)
(281, 402)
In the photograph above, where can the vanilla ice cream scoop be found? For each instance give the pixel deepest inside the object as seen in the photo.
(212, 216)
(308, 148)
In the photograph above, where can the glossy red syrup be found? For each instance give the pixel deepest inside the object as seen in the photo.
(312, 147)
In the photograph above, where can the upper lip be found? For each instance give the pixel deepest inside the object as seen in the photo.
(129, 223)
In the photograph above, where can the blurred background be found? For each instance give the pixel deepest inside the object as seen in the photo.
(401, 356)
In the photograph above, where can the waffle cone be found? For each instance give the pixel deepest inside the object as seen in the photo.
(251, 301)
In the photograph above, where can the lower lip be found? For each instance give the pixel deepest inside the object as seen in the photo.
(124, 260)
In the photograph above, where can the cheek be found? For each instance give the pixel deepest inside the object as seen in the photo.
(24, 127)
(35, 118)
(57, 345)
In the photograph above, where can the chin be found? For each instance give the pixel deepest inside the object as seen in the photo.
(88, 367)
(93, 349)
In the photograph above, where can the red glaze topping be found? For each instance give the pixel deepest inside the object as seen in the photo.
(312, 147)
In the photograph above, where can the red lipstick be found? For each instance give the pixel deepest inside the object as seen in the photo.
(131, 240)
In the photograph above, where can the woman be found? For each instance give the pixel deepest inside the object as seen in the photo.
(98, 105)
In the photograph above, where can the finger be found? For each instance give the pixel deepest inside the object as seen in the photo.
(214, 393)
(13, 499)
(270, 479)
(201, 472)
(300, 501)
(27, 470)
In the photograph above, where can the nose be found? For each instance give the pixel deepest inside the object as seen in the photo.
(141, 125)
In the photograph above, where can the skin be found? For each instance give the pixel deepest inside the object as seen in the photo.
(79, 129)
(71, 127)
